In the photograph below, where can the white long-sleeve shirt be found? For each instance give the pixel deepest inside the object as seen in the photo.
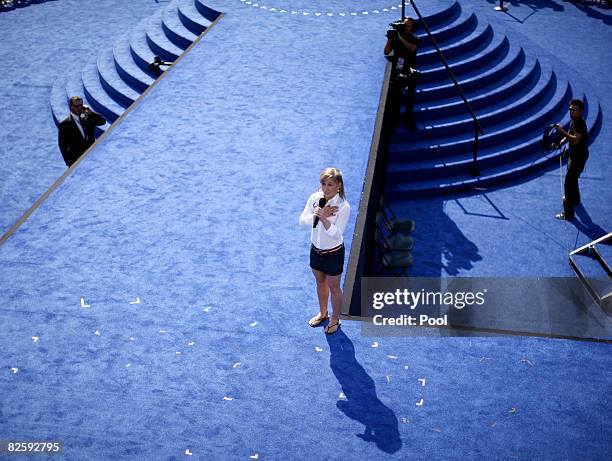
(325, 239)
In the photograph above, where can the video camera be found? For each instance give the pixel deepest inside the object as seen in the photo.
(396, 28)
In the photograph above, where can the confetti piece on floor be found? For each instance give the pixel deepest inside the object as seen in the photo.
(422, 381)
(375, 344)
(318, 349)
(342, 396)
(128, 365)
(527, 361)
(188, 453)
(228, 398)
(97, 333)
(513, 410)
(392, 356)
(405, 367)
(437, 429)
(191, 343)
(236, 365)
(162, 331)
(482, 359)
(131, 338)
(420, 403)
(253, 324)
(35, 338)
(405, 420)
(14, 370)
(206, 309)
(83, 303)
(494, 424)
(136, 301)
(388, 378)
(254, 456)
(178, 353)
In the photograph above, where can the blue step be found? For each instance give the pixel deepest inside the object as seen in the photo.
(100, 100)
(523, 78)
(499, 165)
(139, 46)
(174, 28)
(478, 39)
(462, 25)
(127, 68)
(498, 134)
(206, 11)
(498, 111)
(191, 17)
(158, 41)
(481, 58)
(471, 84)
(112, 81)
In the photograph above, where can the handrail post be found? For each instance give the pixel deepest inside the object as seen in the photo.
(475, 171)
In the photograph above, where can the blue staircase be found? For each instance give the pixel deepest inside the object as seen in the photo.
(117, 76)
(514, 91)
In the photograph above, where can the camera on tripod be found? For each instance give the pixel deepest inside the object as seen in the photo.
(396, 28)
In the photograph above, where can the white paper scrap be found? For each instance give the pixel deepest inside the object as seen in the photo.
(35, 338)
(318, 349)
(14, 370)
(162, 331)
(136, 301)
(178, 353)
(190, 343)
(206, 309)
(422, 381)
(420, 403)
(97, 333)
(392, 357)
(375, 344)
(83, 303)
(253, 324)
(342, 396)
(254, 456)
(128, 365)
(228, 398)
(236, 365)
(188, 453)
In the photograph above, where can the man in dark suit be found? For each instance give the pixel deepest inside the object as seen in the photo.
(77, 131)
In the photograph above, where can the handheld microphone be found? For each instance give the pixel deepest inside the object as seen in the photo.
(322, 202)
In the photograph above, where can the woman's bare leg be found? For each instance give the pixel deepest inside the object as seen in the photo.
(322, 291)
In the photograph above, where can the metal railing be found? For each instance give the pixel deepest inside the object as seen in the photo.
(477, 127)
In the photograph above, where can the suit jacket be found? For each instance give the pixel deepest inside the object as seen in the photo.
(71, 142)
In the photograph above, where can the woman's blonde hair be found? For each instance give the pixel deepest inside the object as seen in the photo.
(336, 175)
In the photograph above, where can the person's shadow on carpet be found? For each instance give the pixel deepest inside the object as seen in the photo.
(362, 404)
(585, 224)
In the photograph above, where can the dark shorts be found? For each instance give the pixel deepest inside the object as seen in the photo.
(330, 262)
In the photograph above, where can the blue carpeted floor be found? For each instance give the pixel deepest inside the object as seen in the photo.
(155, 306)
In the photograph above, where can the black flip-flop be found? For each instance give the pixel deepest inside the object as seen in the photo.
(330, 326)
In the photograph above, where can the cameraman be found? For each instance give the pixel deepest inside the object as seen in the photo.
(401, 49)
